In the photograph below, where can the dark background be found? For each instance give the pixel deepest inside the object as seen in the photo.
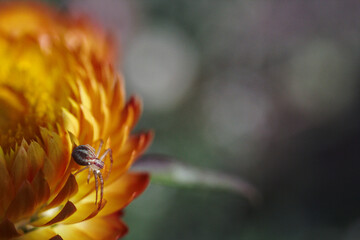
(265, 90)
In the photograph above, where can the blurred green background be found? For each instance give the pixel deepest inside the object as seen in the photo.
(263, 89)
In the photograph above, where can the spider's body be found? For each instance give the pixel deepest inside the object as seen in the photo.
(85, 155)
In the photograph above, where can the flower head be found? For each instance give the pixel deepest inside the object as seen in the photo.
(58, 89)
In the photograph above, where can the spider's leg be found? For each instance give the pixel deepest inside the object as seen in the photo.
(108, 151)
(89, 175)
(101, 188)
(96, 185)
(100, 146)
(79, 171)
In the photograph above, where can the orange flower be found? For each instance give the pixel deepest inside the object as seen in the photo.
(58, 89)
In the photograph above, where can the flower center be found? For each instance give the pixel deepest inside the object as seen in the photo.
(32, 89)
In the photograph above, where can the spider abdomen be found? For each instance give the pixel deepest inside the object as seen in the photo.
(83, 155)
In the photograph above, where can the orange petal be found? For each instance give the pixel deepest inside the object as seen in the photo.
(7, 230)
(128, 154)
(129, 117)
(25, 18)
(121, 192)
(105, 116)
(138, 143)
(118, 98)
(23, 204)
(133, 108)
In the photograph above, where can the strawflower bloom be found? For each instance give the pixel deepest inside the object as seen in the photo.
(58, 90)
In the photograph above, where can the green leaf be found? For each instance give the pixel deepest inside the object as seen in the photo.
(168, 171)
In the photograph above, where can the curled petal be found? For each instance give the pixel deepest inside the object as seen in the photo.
(50, 219)
(70, 188)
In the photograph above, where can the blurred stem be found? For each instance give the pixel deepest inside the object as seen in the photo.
(168, 171)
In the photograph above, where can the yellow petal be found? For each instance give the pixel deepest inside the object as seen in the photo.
(70, 232)
(91, 125)
(39, 233)
(70, 122)
(84, 211)
(84, 188)
(84, 96)
(103, 228)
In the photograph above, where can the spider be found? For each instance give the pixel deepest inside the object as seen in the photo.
(85, 155)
